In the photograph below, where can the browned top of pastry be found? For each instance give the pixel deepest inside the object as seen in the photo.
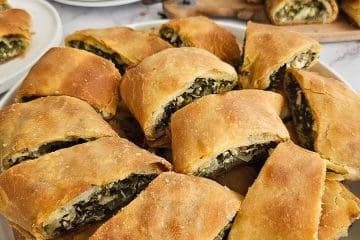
(15, 22)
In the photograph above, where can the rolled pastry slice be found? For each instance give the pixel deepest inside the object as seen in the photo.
(326, 114)
(219, 132)
(339, 210)
(288, 12)
(4, 5)
(269, 51)
(75, 73)
(202, 32)
(29, 130)
(174, 207)
(77, 186)
(122, 45)
(285, 200)
(15, 33)
(153, 92)
(352, 10)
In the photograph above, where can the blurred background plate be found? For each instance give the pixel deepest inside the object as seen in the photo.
(47, 32)
(96, 3)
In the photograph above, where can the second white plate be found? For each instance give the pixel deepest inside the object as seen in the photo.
(96, 3)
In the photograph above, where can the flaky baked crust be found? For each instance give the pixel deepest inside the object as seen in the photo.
(49, 183)
(174, 207)
(352, 10)
(27, 126)
(285, 200)
(147, 87)
(267, 48)
(339, 210)
(273, 6)
(216, 123)
(75, 73)
(131, 46)
(336, 112)
(202, 32)
(15, 22)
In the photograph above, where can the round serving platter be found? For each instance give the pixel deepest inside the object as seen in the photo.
(96, 3)
(47, 33)
(239, 31)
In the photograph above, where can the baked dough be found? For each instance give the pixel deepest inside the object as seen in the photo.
(29, 130)
(174, 207)
(92, 174)
(202, 32)
(75, 73)
(352, 10)
(269, 51)
(285, 200)
(15, 33)
(169, 80)
(326, 114)
(288, 12)
(122, 45)
(339, 210)
(218, 132)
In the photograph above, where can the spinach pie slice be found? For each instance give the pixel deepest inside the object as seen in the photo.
(202, 32)
(30, 130)
(15, 33)
(75, 73)
(175, 207)
(122, 45)
(4, 5)
(352, 10)
(285, 200)
(269, 51)
(288, 12)
(219, 132)
(74, 187)
(326, 114)
(167, 81)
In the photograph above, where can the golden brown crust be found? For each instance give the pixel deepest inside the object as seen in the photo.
(217, 123)
(63, 175)
(336, 112)
(75, 73)
(352, 9)
(285, 200)
(339, 210)
(131, 46)
(174, 207)
(15, 22)
(202, 32)
(267, 48)
(147, 87)
(27, 126)
(273, 6)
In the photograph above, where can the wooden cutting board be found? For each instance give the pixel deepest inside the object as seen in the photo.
(338, 31)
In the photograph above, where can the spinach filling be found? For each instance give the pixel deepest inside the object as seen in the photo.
(302, 60)
(224, 233)
(10, 47)
(4, 6)
(298, 10)
(114, 57)
(42, 150)
(301, 113)
(201, 87)
(235, 157)
(172, 37)
(101, 204)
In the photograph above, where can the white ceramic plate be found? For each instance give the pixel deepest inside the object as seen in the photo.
(238, 31)
(47, 32)
(96, 3)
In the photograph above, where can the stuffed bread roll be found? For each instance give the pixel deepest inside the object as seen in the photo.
(165, 82)
(285, 200)
(4, 5)
(77, 186)
(122, 45)
(288, 12)
(352, 10)
(269, 51)
(29, 130)
(340, 209)
(326, 114)
(202, 32)
(175, 207)
(15, 33)
(75, 73)
(219, 132)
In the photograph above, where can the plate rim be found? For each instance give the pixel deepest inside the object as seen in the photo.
(107, 3)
